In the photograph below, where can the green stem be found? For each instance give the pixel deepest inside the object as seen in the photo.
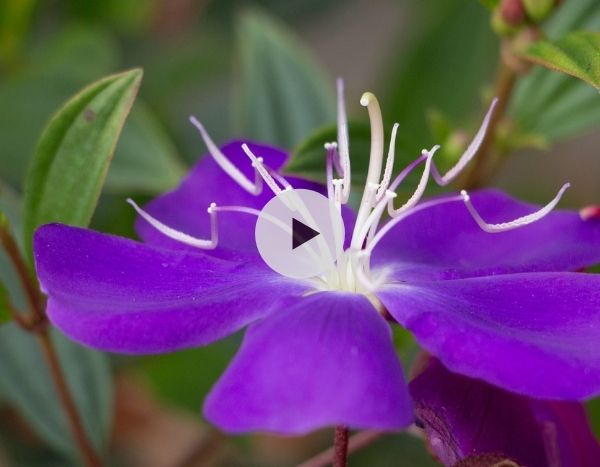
(505, 83)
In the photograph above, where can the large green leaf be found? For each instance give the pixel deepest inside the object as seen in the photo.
(577, 54)
(70, 164)
(284, 95)
(25, 382)
(554, 104)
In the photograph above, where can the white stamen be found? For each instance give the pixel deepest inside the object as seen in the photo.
(254, 188)
(418, 194)
(180, 236)
(375, 161)
(468, 154)
(329, 169)
(516, 223)
(257, 163)
(375, 215)
(389, 165)
(344, 150)
(333, 146)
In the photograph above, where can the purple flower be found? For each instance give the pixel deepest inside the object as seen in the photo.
(467, 419)
(473, 278)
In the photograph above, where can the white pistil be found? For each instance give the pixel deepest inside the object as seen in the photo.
(389, 165)
(469, 153)
(258, 164)
(375, 161)
(182, 237)
(254, 188)
(343, 145)
(516, 223)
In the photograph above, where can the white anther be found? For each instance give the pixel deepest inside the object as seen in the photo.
(468, 154)
(418, 194)
(342, 144)
(389, 164)
(516, 223)
(180, 236)
(257, 163)
(254, 188)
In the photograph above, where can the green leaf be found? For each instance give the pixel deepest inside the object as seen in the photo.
(146, 160)
(555, 105)
(308, 158)
(577, 54)
(284, 94)
(70, 164)
(25, 382)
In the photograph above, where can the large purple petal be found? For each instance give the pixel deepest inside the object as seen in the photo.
(119, 295)
(328, 360)
(445, 241)
(532, 333)
(185, 208)
(464, 418)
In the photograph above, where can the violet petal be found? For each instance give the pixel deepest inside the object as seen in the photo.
(124, 296)
(532, 333)
(327, 360)
(464, 417)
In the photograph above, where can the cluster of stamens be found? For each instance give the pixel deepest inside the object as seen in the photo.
(351, 271)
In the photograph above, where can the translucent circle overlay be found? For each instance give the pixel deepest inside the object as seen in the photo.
(319, 231)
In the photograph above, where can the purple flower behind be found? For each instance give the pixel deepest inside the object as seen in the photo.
(468, 419)
(319, 352)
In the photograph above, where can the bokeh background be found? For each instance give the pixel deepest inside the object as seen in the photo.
(264, 70)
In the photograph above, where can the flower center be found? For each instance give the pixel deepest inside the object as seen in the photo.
(352, 271)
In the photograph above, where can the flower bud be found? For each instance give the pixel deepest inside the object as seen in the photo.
(512, 11)
(538, 10)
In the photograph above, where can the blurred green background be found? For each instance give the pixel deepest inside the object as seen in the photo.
(264, 70)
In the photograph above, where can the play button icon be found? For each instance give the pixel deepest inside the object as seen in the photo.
(300, 234)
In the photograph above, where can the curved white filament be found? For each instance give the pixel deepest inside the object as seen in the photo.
(182, 237)
(343, 145)
(516, 223)
(375, 215)
(254, 188)
(418, 194)
(469, 153)
(389, 165)
(258, 164)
